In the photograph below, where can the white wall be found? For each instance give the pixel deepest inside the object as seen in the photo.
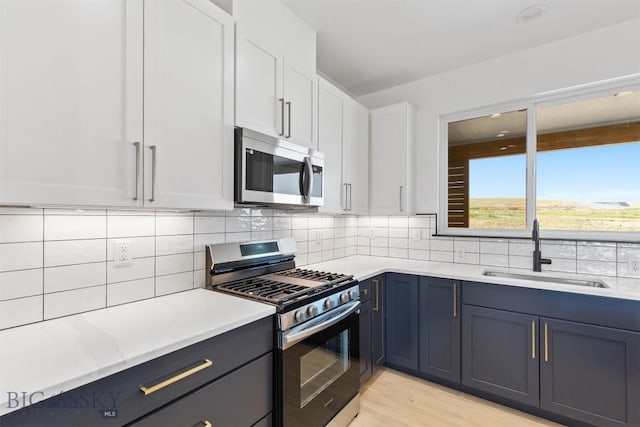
(606, 53)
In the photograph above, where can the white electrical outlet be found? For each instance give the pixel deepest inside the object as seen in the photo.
(633, 264)
(122, 250)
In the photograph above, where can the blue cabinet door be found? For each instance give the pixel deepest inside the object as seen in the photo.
(377, 322)
(500, 354)
(590, 373)
(366, 368)
(402, 320)
(440, 328)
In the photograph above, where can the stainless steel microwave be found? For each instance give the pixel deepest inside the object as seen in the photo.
(270, 171)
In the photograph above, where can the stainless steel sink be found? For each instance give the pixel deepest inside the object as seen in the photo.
(537, 278)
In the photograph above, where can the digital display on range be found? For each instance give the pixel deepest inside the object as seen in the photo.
(258, 248)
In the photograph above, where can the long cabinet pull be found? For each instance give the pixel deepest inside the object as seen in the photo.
(289, 121)
(377, 306)
(346, 203)
(402, 198)
(533, 339)
(137, 146)
(154, 158)
(281, 100)
(162, 384)
(546, 342)
(455, 299)
(350, 194)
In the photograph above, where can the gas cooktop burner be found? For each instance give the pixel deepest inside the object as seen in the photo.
(318, 276)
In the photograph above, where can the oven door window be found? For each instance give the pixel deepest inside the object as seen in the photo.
(322, 366)
(272, 174)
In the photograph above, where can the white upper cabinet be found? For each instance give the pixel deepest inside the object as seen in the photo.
(70, 102)
(188, 105)
(393, 160)
(72, 107)
(343, 137)
(275, 72)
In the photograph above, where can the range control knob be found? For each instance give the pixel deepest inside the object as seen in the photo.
(299, 316)
(344, 297)
(312, 310)
(353, 295)
(329, 303)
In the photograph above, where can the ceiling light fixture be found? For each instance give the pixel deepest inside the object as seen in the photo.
(531, 13)
(624, 93)
(500, 135)
(504, 131)
(496, 115)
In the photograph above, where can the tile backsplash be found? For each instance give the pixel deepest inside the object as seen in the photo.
(57, 262)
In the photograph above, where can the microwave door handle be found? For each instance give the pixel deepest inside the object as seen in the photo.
(309, 179)
(290, 339)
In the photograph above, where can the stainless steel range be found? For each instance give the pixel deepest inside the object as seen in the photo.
(317, 328)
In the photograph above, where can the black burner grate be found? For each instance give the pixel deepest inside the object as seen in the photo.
(265, 289)
(316, 276)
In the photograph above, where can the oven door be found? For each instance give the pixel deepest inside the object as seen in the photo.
(279, 173)
(320, 372)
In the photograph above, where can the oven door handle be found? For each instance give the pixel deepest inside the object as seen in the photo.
(289, 339)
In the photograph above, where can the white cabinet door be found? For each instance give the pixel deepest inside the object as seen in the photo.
(188, 105)
(299, 90)
(330, 128)
(391, 159)
(70, 101)
(356, 156)
(259, 98)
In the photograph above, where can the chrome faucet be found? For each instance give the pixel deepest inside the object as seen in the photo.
(537, 255)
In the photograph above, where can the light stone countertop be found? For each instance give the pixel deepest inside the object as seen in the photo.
(61, 354)
(363, 267)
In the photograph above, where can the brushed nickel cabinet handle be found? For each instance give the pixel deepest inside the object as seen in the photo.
(281, 100)
(533, 339)
(377, 306)
(346, 203)
(546, 342)
(154, 158)
(137, 146)
(350, 196)
(402, 198)
(289, 123)
(365, 291)
(162, 384)
(455, 299)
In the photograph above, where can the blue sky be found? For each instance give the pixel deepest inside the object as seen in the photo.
(592, 174)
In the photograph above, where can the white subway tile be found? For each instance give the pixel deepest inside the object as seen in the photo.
(69, 252)
(200, 278)
(315, 221)
(76, 301)
(261, 223)
(300, 235)
(169, 245)
(20, 284)
(139, 268)
(516, 261)
(398, 243)
(442, 244)
(419, 254)
(561, 265)
(625, 250)
(623, 271)
(125, 292)
(363, 221)
(328, 244)
(351, 221)
(76, 212)
(328, 221)
(381, 232)
(495, 260)
(238, 212)
(398, 222)
(131, 226)
(255, 212)
(363, 250)
(600, 268)
(441, 256)
(419, 222)
(21, 228)
(328, 233)
(520, 248)
(498, 247)
(57, 279)
(73, 227)
(552, 250)
(339, 252)
(172, 225)
(350, 231)
(21, 211)
(466, 257)
(20, 311)
(130, 212)
(236, 224)
(237, 237)
(174, 283)
(350, 250)
(380, 221)
(596, 252)
(262, 235)
(299, 222)
(281, 234)
(202, 240)
(209, 224)
(314, 246)
(399, 253)
(339, 232)
(364, 231)
(399, 233)
(379, 251)
(363, 241)
(199, 260)
(314, 257)
(466, 244)
(423, 245)
(328, 255)
(20, 256)
(282, 223)
(303, 247)
(301, 259)
(172, 264)
(140, 247)
(339, 222)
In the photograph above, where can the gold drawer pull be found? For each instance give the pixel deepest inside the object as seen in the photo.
(533, 339)
(148, 390)
(206, 424)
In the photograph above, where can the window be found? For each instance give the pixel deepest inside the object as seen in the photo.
(573, 163)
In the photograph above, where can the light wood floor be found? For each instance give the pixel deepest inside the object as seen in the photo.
(392, 398)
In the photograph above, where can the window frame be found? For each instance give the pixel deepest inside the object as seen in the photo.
(532, 104)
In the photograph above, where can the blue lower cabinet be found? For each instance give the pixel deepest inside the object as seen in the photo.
(500, 354)
(590, 373)
(366, 365)
(402, 320)
(439, 326)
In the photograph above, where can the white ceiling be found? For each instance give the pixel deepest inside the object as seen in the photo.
(369, 45)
